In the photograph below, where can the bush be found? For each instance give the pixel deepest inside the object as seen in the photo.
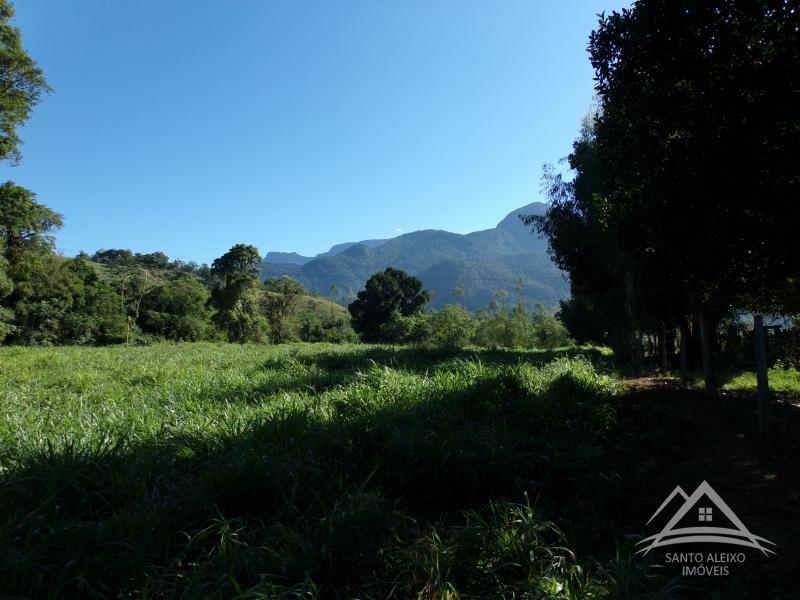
(177, 311)
(450, 327)
(547, 331)
(315, 328)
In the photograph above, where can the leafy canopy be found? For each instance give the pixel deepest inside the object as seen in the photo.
(21, 85)
(387, 296)
(242, 260)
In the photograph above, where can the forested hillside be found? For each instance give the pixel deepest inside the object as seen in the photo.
(480, 263)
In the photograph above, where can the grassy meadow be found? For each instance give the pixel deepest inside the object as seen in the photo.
(218, 470)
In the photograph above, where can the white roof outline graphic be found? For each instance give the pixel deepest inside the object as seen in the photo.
(724, 535)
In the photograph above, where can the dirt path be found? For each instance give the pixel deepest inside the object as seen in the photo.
(684, 438)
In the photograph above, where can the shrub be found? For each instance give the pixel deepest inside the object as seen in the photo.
(452, 326)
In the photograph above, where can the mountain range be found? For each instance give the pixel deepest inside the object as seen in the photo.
(480, 263)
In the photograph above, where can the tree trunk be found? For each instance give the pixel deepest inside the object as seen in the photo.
(731, 342)
(662, 348)
(761, 374)
(634, 340)
(672, 347)
(693, 346)
(684, 343)
(707, 341)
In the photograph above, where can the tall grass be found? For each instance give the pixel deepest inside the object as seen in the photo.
(203, 471)
(782, 378)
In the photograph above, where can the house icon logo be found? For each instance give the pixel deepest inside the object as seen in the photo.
(707, 531)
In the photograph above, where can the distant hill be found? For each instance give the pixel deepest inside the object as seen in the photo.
(293, 258)
(286, 258)
(479, 262)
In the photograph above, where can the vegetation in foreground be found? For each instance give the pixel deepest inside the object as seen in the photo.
(297, 471)
(335, 471)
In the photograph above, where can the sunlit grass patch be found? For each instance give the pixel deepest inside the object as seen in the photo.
(781, 379)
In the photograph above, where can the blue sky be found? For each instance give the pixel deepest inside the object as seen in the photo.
(188, 126)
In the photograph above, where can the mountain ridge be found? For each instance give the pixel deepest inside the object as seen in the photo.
(479, 262)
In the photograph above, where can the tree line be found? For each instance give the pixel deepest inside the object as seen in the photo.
(118, 296)
(391, 309)
(681, 218)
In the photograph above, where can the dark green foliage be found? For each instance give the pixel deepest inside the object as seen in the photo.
(682, 208)
(548, 331)
(153, 260)
(113, 256)
(238, 311)
(279, 305)
(237, 295)
(67, 303)
(21, 84)
(6, 287)
(25, 227)
(310, 329)
(387, 296)
(177, 310)
(120, 296)
(504, 329)
(319, 327)
(583, 242)
(48, 300)
(452, 326)
(697, 137)
(240, 261)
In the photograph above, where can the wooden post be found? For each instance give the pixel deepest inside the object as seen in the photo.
(761, 374)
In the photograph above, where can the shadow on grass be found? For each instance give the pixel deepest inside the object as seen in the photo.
(683, 437)
(293, 503)
(420, 359)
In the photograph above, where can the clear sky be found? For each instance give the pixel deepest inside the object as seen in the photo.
(188, 126)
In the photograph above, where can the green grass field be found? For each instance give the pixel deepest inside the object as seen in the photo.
(211, 471)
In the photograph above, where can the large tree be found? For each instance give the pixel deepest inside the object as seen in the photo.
(279, 305)
(21, 84)
(25, 246)
(237, 295)
(387, 296)
(25, 225)
(242, 260)
(696, 141)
